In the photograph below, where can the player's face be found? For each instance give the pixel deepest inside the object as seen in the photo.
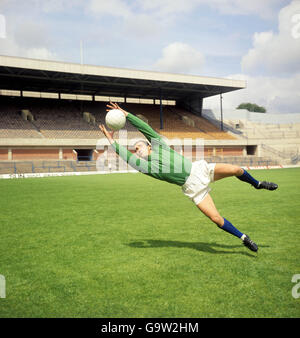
(142, 150)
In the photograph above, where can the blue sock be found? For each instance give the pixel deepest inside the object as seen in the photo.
(231, 229)
(246, 177)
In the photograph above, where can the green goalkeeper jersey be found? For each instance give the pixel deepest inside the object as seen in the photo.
(163, 163)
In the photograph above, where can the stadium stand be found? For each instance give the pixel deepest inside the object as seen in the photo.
(12, 125)
(270, 131)
(274, 137)
(64, 119)
(178, 123)
(60, 119)
(212, 131)
(50, 111)
(51, 119)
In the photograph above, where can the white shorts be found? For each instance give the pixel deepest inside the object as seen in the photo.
(196, 186)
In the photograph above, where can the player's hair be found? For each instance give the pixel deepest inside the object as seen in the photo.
(142, 141)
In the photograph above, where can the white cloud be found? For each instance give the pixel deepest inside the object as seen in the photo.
(27, 39)
(116, 8)
(276, 52)
(31, 34)
(141, 15)
(10, 47)
(271, 69)
(168, 7)
(40, 53)
(143, 25)
(179, 57)
(136, 21)
(265, 9)
(2, 27)
(277, 95)
(39, 5)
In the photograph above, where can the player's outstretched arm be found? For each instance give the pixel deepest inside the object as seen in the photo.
(109, 135)
(142, 126)
(125, 154)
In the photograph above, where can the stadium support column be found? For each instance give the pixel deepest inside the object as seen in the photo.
(200, 102)
(221, 107)
(258, 151)
(161, 112)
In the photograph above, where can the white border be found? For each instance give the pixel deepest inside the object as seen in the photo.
(32, 175)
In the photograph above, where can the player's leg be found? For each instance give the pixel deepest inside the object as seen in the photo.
(207, 206)
(209, 209)
(223, 170)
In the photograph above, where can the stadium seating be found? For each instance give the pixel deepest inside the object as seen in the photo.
(203, 125)
(12, 125)
(67, 120)
(175, 125)
(64, 119)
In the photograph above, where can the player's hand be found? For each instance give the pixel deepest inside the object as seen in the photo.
(112, 105)
(109, 135)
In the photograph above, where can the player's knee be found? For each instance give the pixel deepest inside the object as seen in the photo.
(237, 171)
(217, 219)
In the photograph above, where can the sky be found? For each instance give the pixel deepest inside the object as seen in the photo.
(254, 40)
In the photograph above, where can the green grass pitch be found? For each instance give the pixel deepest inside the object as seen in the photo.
(126, 245)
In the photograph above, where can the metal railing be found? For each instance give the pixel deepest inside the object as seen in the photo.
(15, 167)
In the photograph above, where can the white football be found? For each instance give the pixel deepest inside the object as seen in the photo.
(115, 119)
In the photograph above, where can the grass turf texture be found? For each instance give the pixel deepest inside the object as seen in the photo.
(126, 245)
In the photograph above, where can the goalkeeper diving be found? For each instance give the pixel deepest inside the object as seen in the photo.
(155, 158)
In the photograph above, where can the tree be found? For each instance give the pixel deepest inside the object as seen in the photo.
(252, 107)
